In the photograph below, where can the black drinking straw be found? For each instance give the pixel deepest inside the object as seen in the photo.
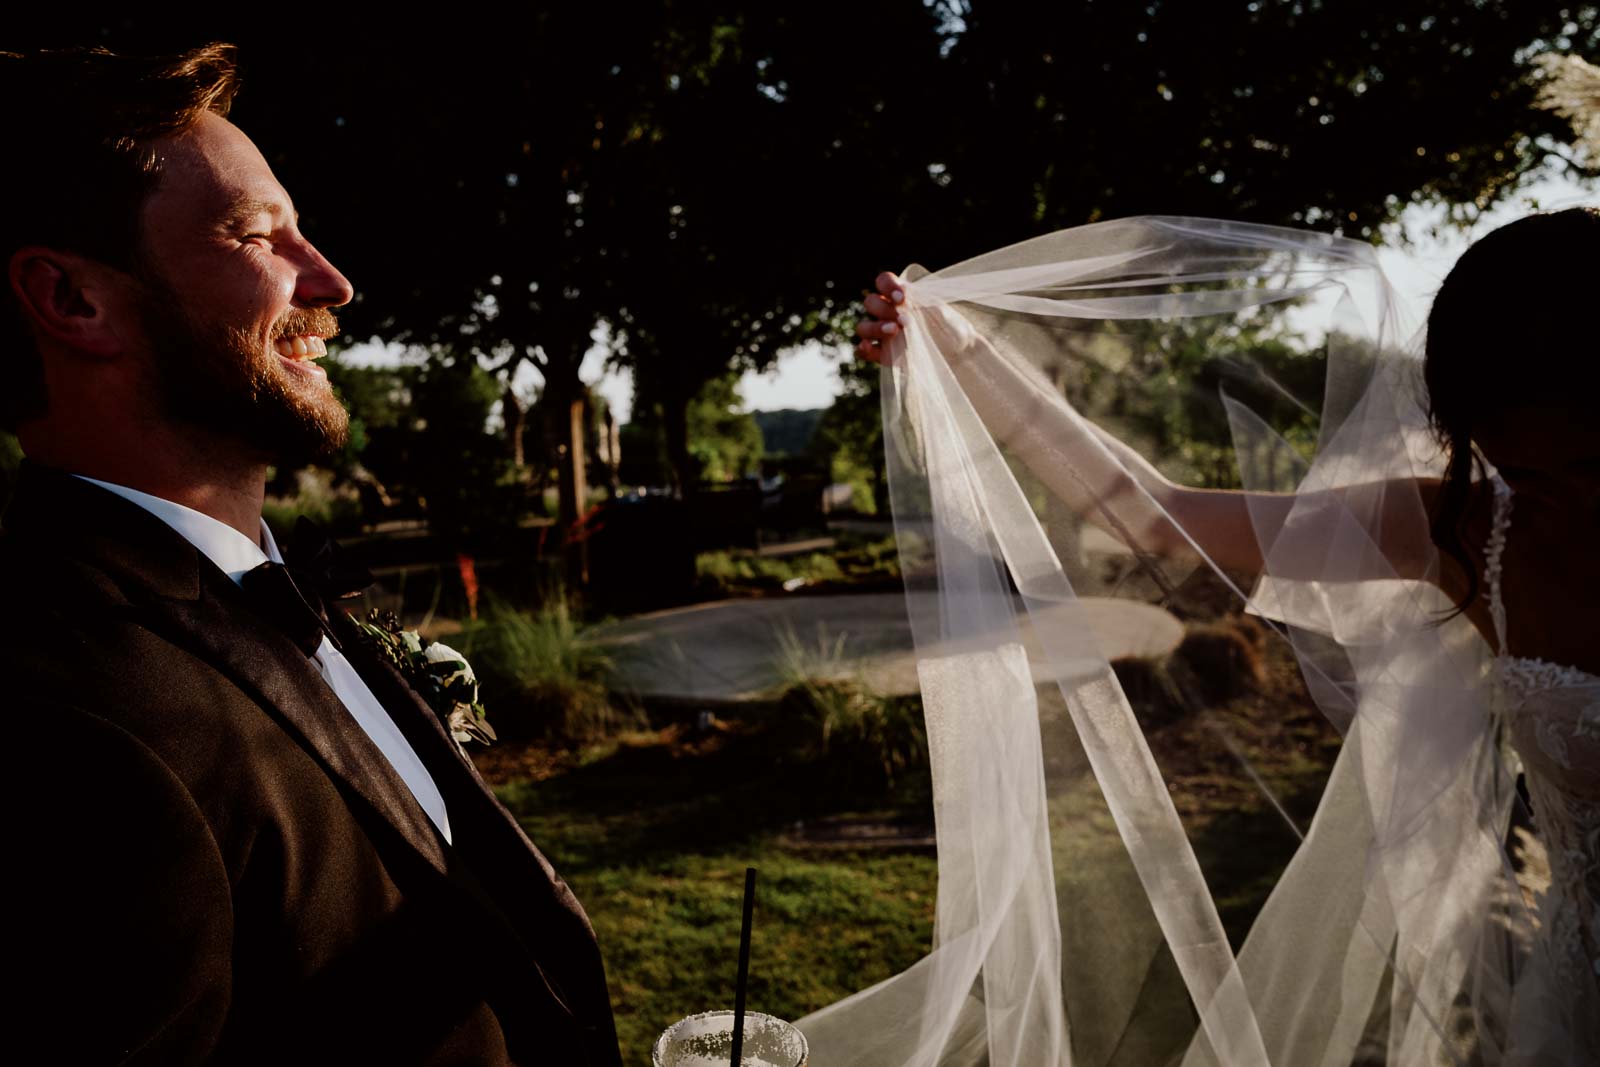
(744, 964)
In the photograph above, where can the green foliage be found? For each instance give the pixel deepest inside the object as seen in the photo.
(788, 432)
(723, 438)
(995, 122)
(644, 450)
(427, 434)
(1221, 660)
(1334, 116)
(854, 561)
(825, 928)
(380, 396)
(654, 836)
(725, 441)
(379, 401)
(472, 488)
(436, 671)
(656, 850)
(849, 438)
(727, 570)
(1160, 385)
(541, 672)
(10, 458)
(315, 496)
(864, 737)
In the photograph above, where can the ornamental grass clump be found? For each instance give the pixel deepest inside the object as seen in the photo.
(549, 680)
(834, 717)
(1223, 659)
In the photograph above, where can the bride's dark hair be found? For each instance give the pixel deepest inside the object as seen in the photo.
(1513, 324)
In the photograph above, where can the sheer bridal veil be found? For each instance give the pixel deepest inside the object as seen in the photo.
(1085, 906)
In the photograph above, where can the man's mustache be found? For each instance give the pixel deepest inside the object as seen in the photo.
(319, 322)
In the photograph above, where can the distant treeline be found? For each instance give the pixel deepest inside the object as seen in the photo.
(788, 432)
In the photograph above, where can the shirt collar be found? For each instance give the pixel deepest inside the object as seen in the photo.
(230, 550)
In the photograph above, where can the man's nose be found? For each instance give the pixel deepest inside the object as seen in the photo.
(320, 284)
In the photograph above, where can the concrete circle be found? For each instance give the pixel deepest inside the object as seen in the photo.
(735, 650)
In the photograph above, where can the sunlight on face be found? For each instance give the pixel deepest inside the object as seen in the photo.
(235, 301)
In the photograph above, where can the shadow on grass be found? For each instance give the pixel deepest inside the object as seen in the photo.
(656, 796)
(654, 831)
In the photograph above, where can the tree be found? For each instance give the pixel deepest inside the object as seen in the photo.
(425, 426)
(723, 437)
(718, 180)
(788, 432)
(723, 440)
(850, 437)
(1334, 116)
(745, 201)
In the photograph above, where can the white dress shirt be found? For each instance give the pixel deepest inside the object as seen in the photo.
(234, 554)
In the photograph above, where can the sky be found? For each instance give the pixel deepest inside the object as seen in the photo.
(807, 376)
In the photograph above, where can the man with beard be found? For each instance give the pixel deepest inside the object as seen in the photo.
(253, 841)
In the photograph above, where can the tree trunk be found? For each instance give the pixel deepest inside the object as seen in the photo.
(608, 451)
(675, 424)
(565, 409)
(515, 416)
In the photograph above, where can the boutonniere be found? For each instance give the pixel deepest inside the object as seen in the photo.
(440, 674)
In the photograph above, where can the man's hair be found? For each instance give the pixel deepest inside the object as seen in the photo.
(81, 125)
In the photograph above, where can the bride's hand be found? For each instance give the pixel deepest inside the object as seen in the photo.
(879, 333)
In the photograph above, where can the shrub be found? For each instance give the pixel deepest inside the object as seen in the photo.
(1222, 660)
(540, 674)
(1150, 690)
(722, 570)
(875, 741)
(315, 497)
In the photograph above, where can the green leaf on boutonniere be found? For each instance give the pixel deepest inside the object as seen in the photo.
(440, 675)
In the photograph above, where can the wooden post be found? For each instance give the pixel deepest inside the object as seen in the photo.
(574, 488)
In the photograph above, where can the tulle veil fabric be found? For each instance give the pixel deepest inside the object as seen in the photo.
(1075, 922)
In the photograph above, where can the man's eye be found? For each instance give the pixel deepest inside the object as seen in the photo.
(252, 236)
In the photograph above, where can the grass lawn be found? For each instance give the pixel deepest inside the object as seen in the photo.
(654, 830)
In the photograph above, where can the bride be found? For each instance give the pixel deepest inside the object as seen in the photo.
(1420, 530)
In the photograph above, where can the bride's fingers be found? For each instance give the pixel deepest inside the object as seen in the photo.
(891, 353)
(879, 308)
(876, 331)
(891, 286)
(883, 353)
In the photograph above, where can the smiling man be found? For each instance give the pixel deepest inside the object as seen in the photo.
(248, 841)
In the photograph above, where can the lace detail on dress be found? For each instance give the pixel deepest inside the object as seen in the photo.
(1530, 674)
(1552, 712)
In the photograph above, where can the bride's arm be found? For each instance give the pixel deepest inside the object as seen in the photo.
(1118, 489)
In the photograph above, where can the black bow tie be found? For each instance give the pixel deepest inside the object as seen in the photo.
(294, 596)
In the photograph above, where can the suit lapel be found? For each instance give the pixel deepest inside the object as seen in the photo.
(485, 833)
(221, 628)
(172, 589)
(177, 592)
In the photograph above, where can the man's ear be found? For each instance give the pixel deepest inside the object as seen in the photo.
(71, 299)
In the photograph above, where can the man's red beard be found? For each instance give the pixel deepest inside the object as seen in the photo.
(227, 382)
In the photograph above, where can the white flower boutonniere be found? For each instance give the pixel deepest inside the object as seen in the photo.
(440, 674)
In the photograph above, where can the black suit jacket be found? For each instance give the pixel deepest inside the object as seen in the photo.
(220, 865)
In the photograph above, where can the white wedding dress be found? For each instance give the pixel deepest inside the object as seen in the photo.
(1552, 716)
(1081, 897)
